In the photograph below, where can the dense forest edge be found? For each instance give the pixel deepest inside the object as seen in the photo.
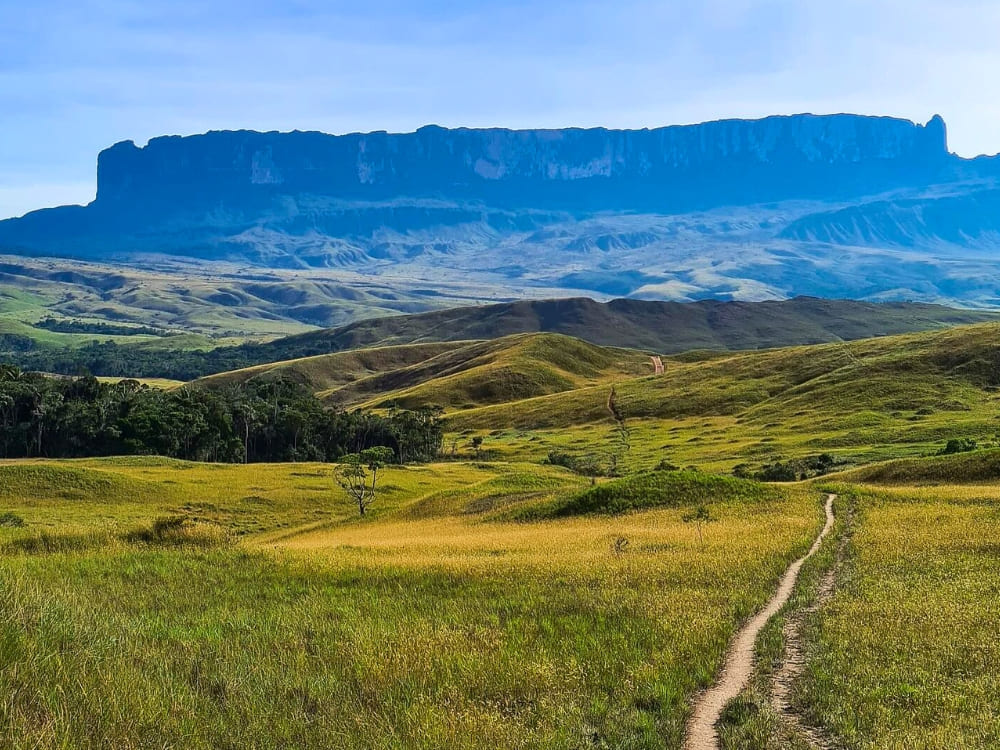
(48, 417)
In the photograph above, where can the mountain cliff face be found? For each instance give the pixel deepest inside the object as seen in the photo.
(744, 209)
(683, 165)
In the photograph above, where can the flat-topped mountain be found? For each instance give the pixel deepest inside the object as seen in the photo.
(733, 209)
(664, 168)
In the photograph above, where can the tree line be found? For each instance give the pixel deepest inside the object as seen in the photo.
(108, 358)
(276, 420)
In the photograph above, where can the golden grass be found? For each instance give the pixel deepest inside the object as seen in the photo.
(428, 626)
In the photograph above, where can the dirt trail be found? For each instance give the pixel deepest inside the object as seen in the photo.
(738, 667)
(794, 661)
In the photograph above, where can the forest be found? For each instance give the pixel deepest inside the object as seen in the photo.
(52, 417)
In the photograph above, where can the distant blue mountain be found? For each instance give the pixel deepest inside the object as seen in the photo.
(622, 211)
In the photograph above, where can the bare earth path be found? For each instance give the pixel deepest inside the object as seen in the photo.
(736, 671)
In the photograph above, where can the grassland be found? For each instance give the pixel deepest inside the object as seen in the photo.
(276, 619)
(906, 654)
(496, 600)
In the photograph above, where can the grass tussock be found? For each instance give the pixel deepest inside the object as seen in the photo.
(177, 531)
(174, 531)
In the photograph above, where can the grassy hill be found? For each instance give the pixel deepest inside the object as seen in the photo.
(664, 327)
(946, 370)
(452, 375)
(860, 401)
(660, 327)
(327, 372)
(497, 599)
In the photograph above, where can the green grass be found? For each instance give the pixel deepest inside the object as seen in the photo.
(655, 489)
(495, 601)
(962, 468)
(907, 653)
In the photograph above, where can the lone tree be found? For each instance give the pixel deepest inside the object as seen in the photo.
(358, 474)
(699, 515)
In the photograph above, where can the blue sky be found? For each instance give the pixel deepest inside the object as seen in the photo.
(77, 76)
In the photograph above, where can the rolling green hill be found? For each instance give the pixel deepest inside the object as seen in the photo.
(661, 327)
(531, 394)
(664, 327)
(451, 375)
(866, 380)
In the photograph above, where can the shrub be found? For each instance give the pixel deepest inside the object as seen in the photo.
(11, 520)
(958, 445)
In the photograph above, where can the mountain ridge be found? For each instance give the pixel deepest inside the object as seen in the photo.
(653, 326)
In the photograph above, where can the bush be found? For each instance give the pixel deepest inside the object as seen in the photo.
(958, 445)
(11, 520)
(788, 471)
(588, 465)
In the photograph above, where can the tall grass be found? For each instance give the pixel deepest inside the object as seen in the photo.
(399, 632)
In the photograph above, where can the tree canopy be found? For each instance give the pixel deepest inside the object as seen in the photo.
(44, 416)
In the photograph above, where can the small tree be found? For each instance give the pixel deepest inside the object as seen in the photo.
(358, 474)
(700, 515)
(477, 445)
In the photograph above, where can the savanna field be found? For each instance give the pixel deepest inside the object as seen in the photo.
(566, 572)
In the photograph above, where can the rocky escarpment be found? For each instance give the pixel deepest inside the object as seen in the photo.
(741, 209)
(666, 168)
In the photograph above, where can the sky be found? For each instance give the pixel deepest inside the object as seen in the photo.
(79, 75)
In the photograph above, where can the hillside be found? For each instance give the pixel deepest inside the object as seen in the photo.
(860, 401)
(451, 375)
(327, 372)
(661, 327)
(664, 327)
(947, 371)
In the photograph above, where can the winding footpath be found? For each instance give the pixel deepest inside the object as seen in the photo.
(736, 671)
